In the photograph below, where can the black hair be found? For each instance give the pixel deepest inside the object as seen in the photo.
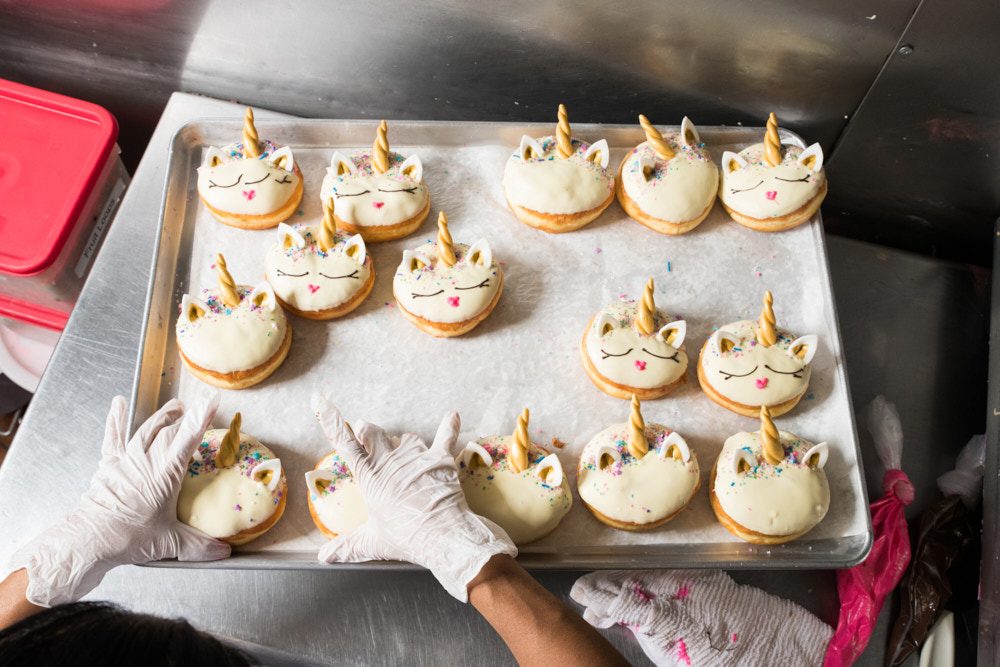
(85, 633)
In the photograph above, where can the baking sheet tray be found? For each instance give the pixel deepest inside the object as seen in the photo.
(375, 365)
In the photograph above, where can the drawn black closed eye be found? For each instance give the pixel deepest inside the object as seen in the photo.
(213, 184)
(485, 283)
(794, 374)
(266, 176)
(349, 275)
(292, 275)
(671, 358)
(338, 195)
(735, 191)
(415, 295)
(408, 191)
(804, 179)
(285, 180)
(608, 354)
(734, 375)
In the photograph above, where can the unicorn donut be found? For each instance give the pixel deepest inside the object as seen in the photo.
(749, 364)
(335, 501)
(515, 483)
(557, 183)
(769, 487)
(668, 182)
(234, 489)
(319, 272)
(630, 348)
(448, 288)
(637, 476)
(234, 336)
(379, 194)
(770, 186)
(252, 184)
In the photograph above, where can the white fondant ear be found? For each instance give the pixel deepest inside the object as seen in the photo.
(550, 471)
(598, 153)
(731, 162)
(313, 477)
(812, 157)
(288, 236)
(213, 157)
(413, 168)
(282, 159)
(724, 341)
(272, 466)
(605, 456)
(340, 164)
(530, 148)
(822, 451)
(356, 249)
(607, 323)
(680, 331)
(192, 307)
(743, 456)
(262, 296)
(675, 440)
(647, 162)
(689, 133)
(480, 253)
(808, 343)
(472, 451)
(414, 261)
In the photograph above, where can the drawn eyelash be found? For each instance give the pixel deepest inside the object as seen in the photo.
(408, 191)
(485, 283)
(804, 179)
(284, 180)
(415, 295)
(292, 275)
(266, 176)
(735, 191)
(672, 358)
(734, 375)
(794, 374)
(213, 184)
(338, 195)
(349, 275)
(608, 354)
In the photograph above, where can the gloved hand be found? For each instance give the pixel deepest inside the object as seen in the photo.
(702, 617)
(416, 509)
(129, 513)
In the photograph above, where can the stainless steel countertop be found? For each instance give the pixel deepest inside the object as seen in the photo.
(395, 617)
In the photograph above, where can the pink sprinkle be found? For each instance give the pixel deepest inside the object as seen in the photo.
(249, 194)
(238, 508)
(641, 365)
(683, 592)
(313, 288)
(734, 636)
(762, 383)
(641, 594)
(771, 195)
(682, 652)
(378, 204)
(453, 301)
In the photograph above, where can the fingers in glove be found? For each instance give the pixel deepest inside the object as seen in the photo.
(197, 419)
(170, 413)
(358, 547)
(337, 432)
(447, 435)
(374, 439)
(115, 428)
(194, 545)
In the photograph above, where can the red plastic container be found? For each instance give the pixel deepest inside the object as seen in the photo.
(61, 181)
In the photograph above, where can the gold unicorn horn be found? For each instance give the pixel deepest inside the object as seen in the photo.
(772, 144)
(328, 231)
(230, 445)
(227, 286)
(446, 251)
(251, 142)
(644, 321)
(380, 151)
(518, 455)
(769, 438)
(766, 333)
(637, 443)
(562, 134)
(664, 150)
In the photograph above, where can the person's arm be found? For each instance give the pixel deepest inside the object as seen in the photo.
(14, 605)
(537, 626)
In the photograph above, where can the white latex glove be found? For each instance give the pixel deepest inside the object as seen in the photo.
(129, 513)
(416, 509)
(702, 617)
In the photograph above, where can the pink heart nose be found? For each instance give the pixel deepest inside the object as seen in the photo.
(453, 301)
(771, 194)
(249, 194)
(641, 365)
(378, 204)
(762, 383)
(313, 288)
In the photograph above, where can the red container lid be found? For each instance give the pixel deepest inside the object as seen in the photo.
(53, 152)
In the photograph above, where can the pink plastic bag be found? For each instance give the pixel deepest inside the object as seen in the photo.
(863, 588)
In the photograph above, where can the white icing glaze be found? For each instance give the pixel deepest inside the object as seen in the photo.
(248, 186)
(223, 502)
(340, 506)
(547, 183)
(752, 188)
(771, 374)
(676, 190)
(366, 199)
(635, 490)
(521, 503)
(442, 293)
(231, 339)
(782, 499)
(309, 279)
(629, 358)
